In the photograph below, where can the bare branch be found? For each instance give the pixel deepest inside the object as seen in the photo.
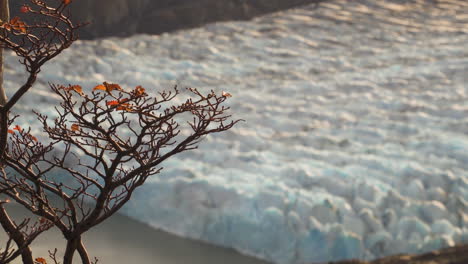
(102, 145)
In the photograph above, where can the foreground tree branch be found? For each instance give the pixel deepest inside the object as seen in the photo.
(35, 44)
(105, 141)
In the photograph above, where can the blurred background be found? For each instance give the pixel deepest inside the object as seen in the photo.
(123, 18)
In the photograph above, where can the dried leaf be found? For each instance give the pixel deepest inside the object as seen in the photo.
(40, 260)
(14, 20)
(77, 89)
(121, 104)
(125, 107)
(66, 2)
(112, 86)
(21, 27)
(16, 24)
(108, 87)
(139, 90)
(113, 102)
(18, 128)
(75, 127)
(24, 9)
(33, 138)
(99, 87)
(11, 131)
(226, 94)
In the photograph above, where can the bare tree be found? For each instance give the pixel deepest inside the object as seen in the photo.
(123, 136)
(34, 49)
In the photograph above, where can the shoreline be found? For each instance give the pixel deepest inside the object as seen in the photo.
(122, 240)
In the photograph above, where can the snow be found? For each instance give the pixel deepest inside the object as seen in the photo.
(355, 142)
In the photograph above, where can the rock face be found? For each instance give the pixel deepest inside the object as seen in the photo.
(127, 17)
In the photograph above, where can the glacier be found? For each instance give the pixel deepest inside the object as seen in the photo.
(355, 143)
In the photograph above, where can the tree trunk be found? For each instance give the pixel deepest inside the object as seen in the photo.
(26, 254)
(83, 253)
(4, 16)
(73, 244)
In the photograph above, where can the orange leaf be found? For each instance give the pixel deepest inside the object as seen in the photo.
(139, 90)
(77, 89)
(113, 102)
(24, 9)
(17, 24)
(14, 20)
(33, 138)
(41, 260)
(108, 87)
(17, 128)
(66, 2)
(122, 107)
(112, 86)
(11, 131)
(99, 87)
(75, 127)
(121, 104)
(226, 94)
(21, 26)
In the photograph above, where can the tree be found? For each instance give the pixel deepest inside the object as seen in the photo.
(113, 163)
(4, 16)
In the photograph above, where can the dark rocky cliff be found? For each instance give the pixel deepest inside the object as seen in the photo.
(128, 17)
